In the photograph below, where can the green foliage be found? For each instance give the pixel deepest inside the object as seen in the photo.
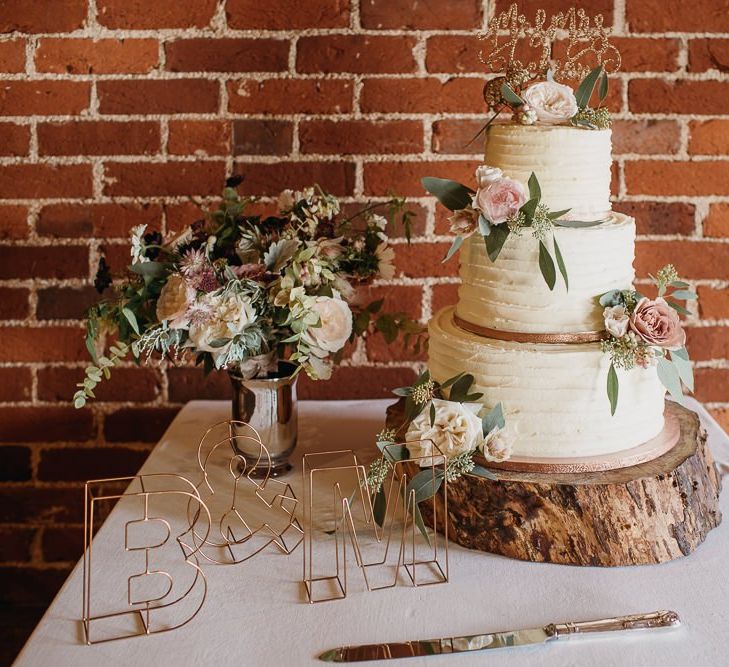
(560, 263)
(495, 240)
(451, 194)
(612, 388)
(510, 97)
(669, 376)
(94, 373)
(455, 246)
(546, 266)
(585, 89)
(493, 420)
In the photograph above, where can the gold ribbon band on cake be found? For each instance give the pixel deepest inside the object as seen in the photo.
(523, 337)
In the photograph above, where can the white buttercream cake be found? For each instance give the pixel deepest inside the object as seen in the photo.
(553, 393)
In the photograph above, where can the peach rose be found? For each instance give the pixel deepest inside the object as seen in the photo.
(174, 300)
(500, 200)
(658, 324)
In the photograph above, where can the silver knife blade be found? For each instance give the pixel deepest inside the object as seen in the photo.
(435, 646)
(649, 621)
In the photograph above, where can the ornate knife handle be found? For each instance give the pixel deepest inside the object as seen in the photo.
(656, 619)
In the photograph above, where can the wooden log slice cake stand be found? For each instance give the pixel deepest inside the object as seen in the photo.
(639, 514)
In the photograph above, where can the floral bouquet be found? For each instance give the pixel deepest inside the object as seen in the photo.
(445, 418)
(499, 207)
(242, 292)
(647, 332)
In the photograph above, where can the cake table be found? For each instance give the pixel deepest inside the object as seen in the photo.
(256, 613)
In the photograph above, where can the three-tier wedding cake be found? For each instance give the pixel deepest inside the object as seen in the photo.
(538, 350)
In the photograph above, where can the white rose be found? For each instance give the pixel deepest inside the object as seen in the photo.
(498, 444)
(174, 301)
(616, 320)
(486, 175)
(553, 102)
(456, 429)
(335, 324)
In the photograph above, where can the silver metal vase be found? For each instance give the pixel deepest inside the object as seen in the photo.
(270, 406)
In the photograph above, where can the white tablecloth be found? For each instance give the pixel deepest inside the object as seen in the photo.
(255, 613)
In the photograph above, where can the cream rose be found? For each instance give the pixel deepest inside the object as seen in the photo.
(552, 102)
(498, 445)
(616, 320)
(230, 315)
(456, 429)
(174, 301)
(486, 175)
(500, 200)
(658, 324)
(335, 324)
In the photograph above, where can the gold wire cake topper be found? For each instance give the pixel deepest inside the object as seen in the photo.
(586, 45)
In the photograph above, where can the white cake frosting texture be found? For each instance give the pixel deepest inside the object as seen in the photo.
(510, 294)
(553, 394)
(571, 164)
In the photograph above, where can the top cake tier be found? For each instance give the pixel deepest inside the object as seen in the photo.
(571, 164)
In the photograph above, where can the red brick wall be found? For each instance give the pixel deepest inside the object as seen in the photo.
(119, 112)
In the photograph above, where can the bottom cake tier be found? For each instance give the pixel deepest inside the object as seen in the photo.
(554, 395)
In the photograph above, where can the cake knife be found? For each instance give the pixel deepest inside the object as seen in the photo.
(508, 639)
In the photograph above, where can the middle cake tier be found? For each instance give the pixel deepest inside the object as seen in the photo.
(553, 394)
(510, 294)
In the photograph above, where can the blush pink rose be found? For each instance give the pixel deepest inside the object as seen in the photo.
(500, 200)
(658, 324)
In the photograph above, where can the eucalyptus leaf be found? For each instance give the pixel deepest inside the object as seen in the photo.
(613, 387)
(132, 319)
(670, 378)
(554, 215)
(584, 90)
(495, 240)
(484, 226)
(546, 266)
(425, 484)
(530, 207)
(579, 224)
(679, 283)
(402, 391)
(460, 388)
(451, 194)
(611, 298)
(493, 420)
(379, 507)
(480, 471)
(682, 363)
(393, 452)
(684, 295)
(603, 89)
(535, 192)
(457, 243)
(151, 269)
(560, 264)
(510, 96)
(678, 308)
(450, 381)
(418, 517)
